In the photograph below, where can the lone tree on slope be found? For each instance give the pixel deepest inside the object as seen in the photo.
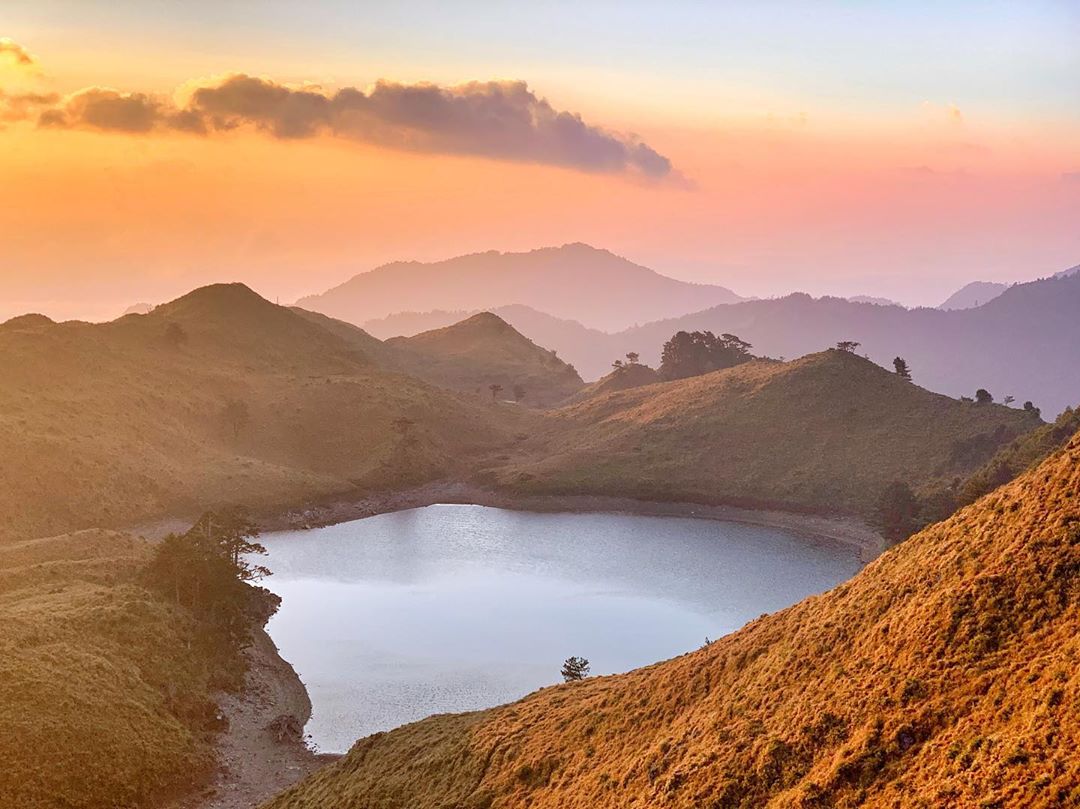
(848, 345)
(575, 668)
(495, 391)
(632, 357)
(236, 416)
(902, 369)
(983, 396)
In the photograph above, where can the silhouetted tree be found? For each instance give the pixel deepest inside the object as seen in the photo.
(519, 392)
(848, 345)
(233, 532)
(1008, 400)
(983, 396)
(694, 353)
(175, 335)
(575, 668)
(617, 365)
(236, 415)
(495, 391)
(1032, 409)
(632, 357)
(897, 513)
(902, 369)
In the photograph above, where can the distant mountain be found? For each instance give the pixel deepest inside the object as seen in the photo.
(943, 674)
(1071, 271)
(872, 299)
(974, 294)
(482, 351)
(575, 281)
(1024, 343)
(826, 432)
(139, 309)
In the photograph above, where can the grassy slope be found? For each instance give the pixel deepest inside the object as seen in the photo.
(102, 704)
(107, 424)
(485, 350)
(945, 674)
(825, 432)
(624, 378)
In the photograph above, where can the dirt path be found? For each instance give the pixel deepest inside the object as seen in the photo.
(256, 761)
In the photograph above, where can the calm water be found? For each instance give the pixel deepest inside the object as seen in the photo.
(452, 608)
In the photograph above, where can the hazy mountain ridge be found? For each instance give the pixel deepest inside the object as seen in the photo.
(973, 294)
(575, 281)
(827, 432)
(945, 673)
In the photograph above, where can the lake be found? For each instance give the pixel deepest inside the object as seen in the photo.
(452, 608)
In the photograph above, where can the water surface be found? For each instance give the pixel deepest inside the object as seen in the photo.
(453, 608)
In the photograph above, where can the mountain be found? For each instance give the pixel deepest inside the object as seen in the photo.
(946, 673)
(1024, 343)
(217, 397)
(139, 309)
(872, 299)
(482, 351)
(575, 281)
(974, 294)
(827, 432)
(1066, 273)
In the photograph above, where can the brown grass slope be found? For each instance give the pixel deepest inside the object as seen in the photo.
(945, 674)
(103, 703)
(485, 350)
(826, 432)
(108, 424)
(621, 378)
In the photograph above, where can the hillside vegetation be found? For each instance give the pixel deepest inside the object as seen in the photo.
(946, 673)
(218, 397)
(104, 701)
(482, 351)
(826, 432)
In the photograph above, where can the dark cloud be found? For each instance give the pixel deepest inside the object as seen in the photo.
(502, 120)
(22, 106)
(12, 50)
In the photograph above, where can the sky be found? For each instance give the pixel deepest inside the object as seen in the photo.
(898, 149)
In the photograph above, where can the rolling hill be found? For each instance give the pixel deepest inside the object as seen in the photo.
(994, 346)
(217, 397)
(481, 351)
(946, 673)
(575, 281)
(826, 432)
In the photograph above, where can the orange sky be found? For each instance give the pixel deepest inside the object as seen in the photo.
(908, 202)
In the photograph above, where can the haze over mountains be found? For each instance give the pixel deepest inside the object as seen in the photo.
(575, 281)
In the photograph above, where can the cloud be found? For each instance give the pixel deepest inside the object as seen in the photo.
(21, 106)
(13, 51)
(500, 120)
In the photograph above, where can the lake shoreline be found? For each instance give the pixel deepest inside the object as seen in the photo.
(851, 532)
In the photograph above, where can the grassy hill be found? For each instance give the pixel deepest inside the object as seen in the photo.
(946, 673)
(218, 397)
(103, 703)
(825, 432)
(623, 378)
(481, 351)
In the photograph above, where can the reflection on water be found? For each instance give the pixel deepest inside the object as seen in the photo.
(453, 608)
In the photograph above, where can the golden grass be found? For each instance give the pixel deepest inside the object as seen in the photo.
(945, 674)
(826, 432)
(104, 702)
(108, 424)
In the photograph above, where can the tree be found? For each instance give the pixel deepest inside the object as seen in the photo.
(1008, 400)
(632, 357)
(519, 392)
(617, 365)
(575, 668)
(495, 391)
(700, 352)
(902, 369)
(983, 396)
(236, 415)
(232, 531)
(1032, 409)
(175, 335)
(848, 345)
(897, 513)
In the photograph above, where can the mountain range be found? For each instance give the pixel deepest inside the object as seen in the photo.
(575, 281)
